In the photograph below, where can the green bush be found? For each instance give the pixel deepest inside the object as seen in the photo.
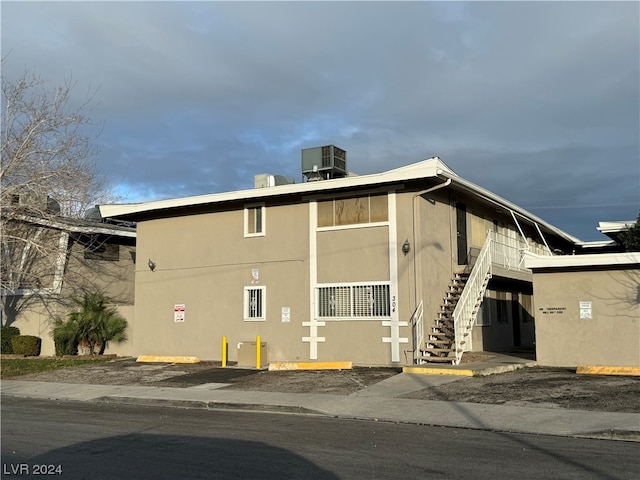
(6, 334)
(28, 345)
(65, 338)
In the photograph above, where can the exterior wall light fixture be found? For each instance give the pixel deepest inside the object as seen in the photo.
(152, 265)
(406, 247)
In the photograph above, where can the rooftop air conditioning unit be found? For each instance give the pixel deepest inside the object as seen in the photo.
(322, 163)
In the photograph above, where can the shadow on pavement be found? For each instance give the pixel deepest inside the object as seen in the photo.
(145, 456)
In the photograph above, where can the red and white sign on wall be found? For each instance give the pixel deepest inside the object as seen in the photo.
(178, 312)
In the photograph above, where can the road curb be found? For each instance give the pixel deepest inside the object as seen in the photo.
(438, 371)
(466, 372)
(280, 366)
(613, 434)
(603, 370)
(166, 359)
(209, 405)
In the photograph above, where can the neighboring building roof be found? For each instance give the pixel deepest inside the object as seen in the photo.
(77, 225)
(614, 229)
(430, 168)
(535, 262)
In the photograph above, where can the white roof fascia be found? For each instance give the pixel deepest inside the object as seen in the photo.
(614, 227)
(503, 203)
(424, 169)
(598, 244)
(97, 229)
(533, 261)
(431, 167)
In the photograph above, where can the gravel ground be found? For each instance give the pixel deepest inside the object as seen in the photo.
(543, 387)
(534, 386)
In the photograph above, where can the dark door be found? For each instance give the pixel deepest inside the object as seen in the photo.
(461, 227)
(515, 314)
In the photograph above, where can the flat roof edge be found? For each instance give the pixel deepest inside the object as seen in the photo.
(534, 262)
(429, 168)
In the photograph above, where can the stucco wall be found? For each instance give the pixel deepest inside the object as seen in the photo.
(116, 280)
(353, 255)
(610, 337)
(204, 262)
(36, 314)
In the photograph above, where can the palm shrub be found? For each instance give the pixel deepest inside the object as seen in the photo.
(92, 324)
(65, 337)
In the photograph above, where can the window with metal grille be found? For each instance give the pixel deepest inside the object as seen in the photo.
(354, 301)
(254, 303)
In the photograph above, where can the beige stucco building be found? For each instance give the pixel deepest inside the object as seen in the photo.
(406, 266)
(587, 309)
(62, 258)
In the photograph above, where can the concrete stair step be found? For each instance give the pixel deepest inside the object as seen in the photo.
(438, 351)
(430, 359)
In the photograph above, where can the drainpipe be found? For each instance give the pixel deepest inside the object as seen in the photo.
(415, 235)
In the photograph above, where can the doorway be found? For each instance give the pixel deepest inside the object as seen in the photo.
(461, 233)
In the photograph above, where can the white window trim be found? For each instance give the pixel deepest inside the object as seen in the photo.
(246, 219)
(353, 225)
(245, 304)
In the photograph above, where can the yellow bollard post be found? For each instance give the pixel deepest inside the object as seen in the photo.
(224, 352)
(258, 352)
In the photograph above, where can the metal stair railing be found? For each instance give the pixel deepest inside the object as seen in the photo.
(464, 315)
(500, 250)
(509, 253)
(417, 321)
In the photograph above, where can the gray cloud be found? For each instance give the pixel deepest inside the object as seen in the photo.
(537, 101)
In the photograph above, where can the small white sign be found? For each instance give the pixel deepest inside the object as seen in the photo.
(178, 312)
(586, 311)
(286, 314)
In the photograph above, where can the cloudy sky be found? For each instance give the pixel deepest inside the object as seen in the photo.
(538, 102)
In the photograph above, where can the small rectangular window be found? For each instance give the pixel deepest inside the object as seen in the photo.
(108, 252)
(254, 220)
(502, 307)
(254, 303)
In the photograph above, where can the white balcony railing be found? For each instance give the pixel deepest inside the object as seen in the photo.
(498, 250)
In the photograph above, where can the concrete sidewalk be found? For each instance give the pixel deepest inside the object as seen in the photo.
(378, 402)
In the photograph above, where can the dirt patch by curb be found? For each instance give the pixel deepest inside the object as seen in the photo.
(531, 386)
(542, 387)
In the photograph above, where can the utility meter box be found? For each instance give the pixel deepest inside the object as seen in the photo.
(247, 354)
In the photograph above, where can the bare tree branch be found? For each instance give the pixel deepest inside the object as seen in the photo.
(47, 170)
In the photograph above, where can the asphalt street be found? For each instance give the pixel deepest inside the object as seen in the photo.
(93, 440)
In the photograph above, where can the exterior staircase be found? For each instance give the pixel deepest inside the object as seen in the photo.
(448, 337)
(439, 346)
